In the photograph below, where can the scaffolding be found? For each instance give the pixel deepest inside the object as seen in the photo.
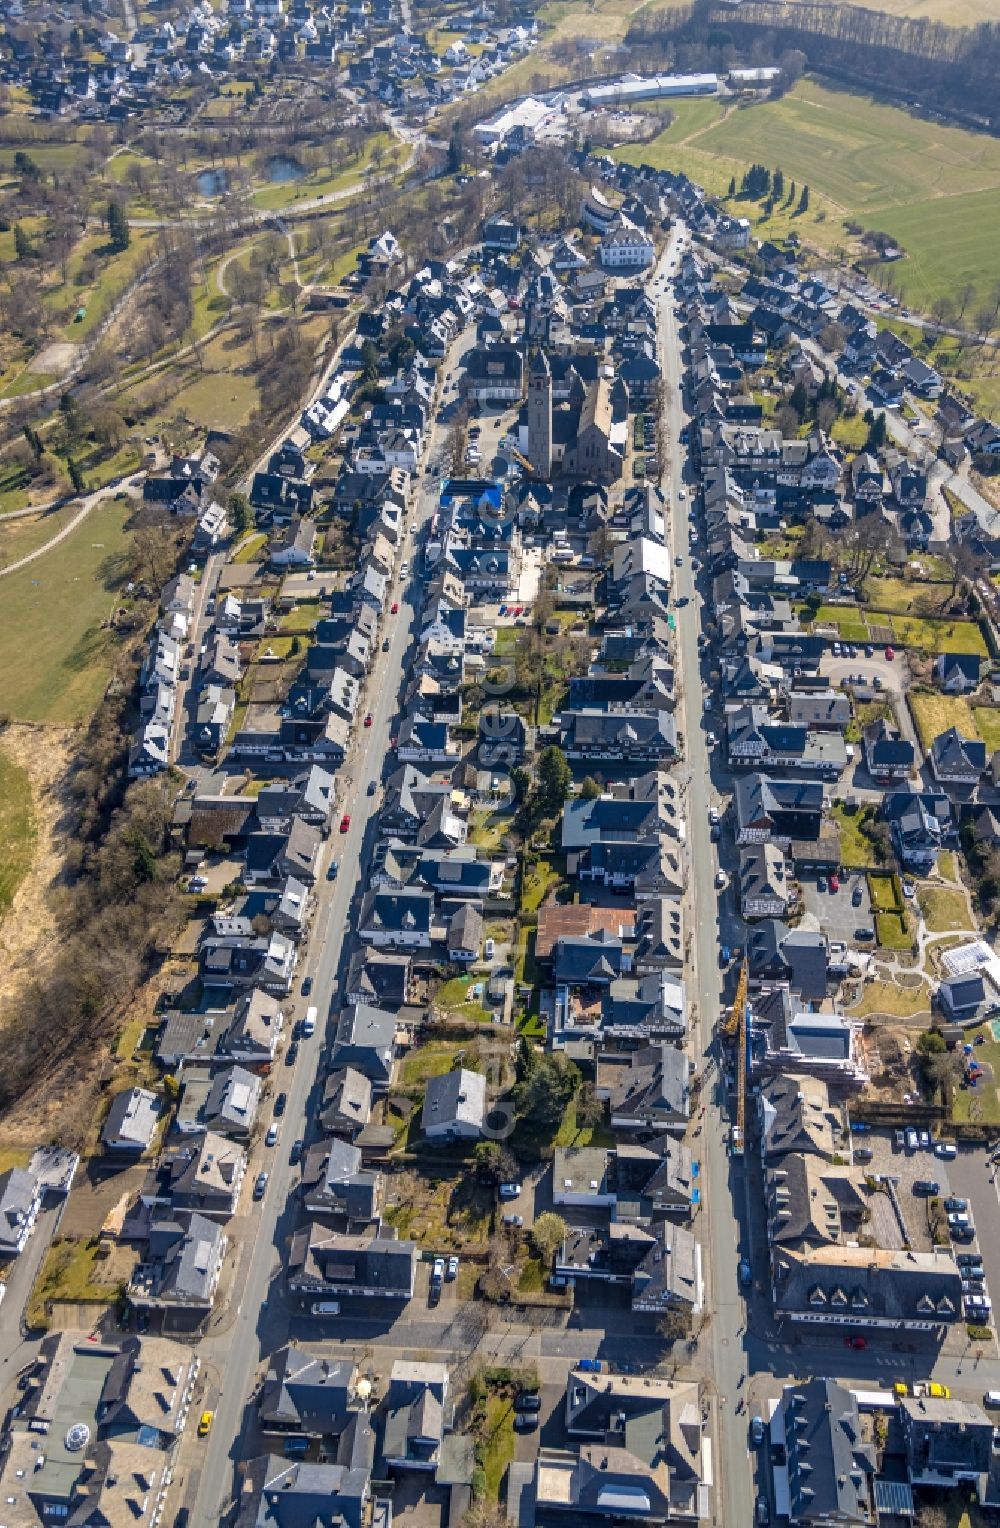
(737, 1027)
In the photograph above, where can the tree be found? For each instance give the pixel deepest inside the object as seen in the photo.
(554, 776)
(878, 432)
(547, 1235)
(23, 247)
(119, 232)
(590, 1109)
(495, 1163)
(75, 475)
(791, 195)
(590, 789)
(799, 400)
(547, 1084)
(803, 200)
(777, 185)
(240, 513)
(732, 187)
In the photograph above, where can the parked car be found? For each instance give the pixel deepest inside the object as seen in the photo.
(513, 1220)
(509, 1190)
(451, 1272)
(369, 719)
(525, 1421)
(307, 985)
(394, 608)
(945, 1149)
(260, 1187)
(271, 1138)
(856, 897)
(955, 1206)
(909, 890)
(527, 1400)
(292, 1053)
(345, 822)
(927, 1188)
(835, 883)
(279, 1104)
(757, 1431)
(437, 1270)
(855, 1342)
(372, 787)
(205, 1423)
(295, 1155)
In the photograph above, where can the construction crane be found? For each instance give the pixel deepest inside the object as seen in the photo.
(522, 462)
(737, 1027)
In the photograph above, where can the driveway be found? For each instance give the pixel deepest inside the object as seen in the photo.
(894, 675)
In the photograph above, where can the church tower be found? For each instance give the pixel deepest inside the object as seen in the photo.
(540, 414)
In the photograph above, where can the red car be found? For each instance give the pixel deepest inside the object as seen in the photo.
(855, 1342)
(889, 654)
(394, 608)
(369, 719)
(345, 822)
(834, 883)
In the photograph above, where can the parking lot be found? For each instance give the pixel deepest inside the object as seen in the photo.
(835, 911)
(908, 1167)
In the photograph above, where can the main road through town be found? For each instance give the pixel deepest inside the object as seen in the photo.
(722, 1334)
(257, 1317)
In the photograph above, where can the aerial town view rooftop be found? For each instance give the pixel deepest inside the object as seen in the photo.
(499, 763)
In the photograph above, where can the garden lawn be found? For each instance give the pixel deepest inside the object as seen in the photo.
(939, 636)
(855, 850)
(536, 883)
(884, 893)
(987, 719)
(55, 656)
(935, 713)
(69, 1271)
(250, 549)
(496, 1448)
(453, 998)
(944, 908)
(981, 1104)
(890, 998)
(18, 830)
(570, 1134)
(426, 1061)
(899, 596)
(891, 931)
(848, 621)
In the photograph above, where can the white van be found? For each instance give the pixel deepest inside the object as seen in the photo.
(489, 949)
(325, 1308)
(309, 1022)
(992, 1400)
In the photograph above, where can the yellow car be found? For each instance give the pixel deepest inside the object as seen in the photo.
(205, 1425)
(941, 1391)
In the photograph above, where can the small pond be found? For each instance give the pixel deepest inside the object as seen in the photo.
(211, 182)
(281, 170)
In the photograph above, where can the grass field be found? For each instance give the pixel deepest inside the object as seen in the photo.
(271, 197)
(17, 829)
(987, 719)
(900, 595)
(954, 13)
(944, 908)
(934, 713)
(20, 537)
(933, 188)
(54, 656)
(218, 402)
(848, 621)
(890, 998)
(855, 850)
(939, 636)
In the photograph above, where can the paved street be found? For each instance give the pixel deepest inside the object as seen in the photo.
(235, 1346)
(721, 1355)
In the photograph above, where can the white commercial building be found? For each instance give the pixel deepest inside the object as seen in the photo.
(530, 114)
(634, 87)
